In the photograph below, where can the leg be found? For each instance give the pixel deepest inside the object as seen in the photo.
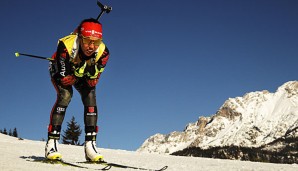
(90, 120)
(64, 95)
(90, 114)
(88, 96)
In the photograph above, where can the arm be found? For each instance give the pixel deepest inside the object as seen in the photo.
(65, 74)
(102, 62)
(100, 65)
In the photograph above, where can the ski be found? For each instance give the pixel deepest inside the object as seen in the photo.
(62, 162)
(123, 166)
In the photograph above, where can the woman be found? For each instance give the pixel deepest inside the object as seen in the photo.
(79, 61)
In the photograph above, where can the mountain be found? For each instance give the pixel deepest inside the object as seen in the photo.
(259, 121)
(25, 155)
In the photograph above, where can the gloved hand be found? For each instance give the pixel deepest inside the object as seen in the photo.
(68, 80)
(92, 82)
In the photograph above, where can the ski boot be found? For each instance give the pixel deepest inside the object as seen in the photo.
(91, 152)
(51, 150)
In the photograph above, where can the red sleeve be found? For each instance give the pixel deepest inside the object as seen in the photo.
(104, 59)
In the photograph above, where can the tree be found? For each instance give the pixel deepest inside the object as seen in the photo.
(72, 133)
(15, 132)
(4, 131)
(10, 132)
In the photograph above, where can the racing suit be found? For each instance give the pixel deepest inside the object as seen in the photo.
(70, 60)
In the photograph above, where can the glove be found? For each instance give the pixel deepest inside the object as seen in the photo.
(68, 80)
(92, 83)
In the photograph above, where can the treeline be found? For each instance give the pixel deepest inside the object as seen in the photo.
(287, 153)
(13, 133)
(70, 136)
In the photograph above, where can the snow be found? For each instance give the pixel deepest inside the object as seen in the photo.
(18, 155)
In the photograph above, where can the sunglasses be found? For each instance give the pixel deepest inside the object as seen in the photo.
(87, 40)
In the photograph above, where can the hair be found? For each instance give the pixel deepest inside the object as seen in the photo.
(86, 20)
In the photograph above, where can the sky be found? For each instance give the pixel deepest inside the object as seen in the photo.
(170, 61)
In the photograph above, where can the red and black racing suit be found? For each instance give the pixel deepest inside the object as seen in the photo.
(61, 67)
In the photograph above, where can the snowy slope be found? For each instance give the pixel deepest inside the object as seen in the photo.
(253, 120)
(16, 155)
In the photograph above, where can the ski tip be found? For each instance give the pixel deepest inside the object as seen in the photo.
(164, 168)
(17, 54)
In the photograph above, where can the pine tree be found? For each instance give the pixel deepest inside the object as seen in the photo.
(72, 133)
(10, 132)
(4, 131)
(15, 132)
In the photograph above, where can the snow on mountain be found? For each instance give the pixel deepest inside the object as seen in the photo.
(256, 119)
(22, 155)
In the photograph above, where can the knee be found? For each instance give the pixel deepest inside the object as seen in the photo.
(65, 97)
(89, 99)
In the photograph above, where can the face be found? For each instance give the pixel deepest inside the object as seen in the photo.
(89, 44)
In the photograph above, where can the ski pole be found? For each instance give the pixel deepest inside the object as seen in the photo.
(104, 9)
(33, 56)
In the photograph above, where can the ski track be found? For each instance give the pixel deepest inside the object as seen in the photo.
(18, 155)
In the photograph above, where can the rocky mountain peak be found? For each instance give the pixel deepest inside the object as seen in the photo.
(253, 120)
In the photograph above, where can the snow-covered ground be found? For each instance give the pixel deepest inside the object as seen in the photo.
(19, 154)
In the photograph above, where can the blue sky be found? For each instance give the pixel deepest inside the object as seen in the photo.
(171, 61)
